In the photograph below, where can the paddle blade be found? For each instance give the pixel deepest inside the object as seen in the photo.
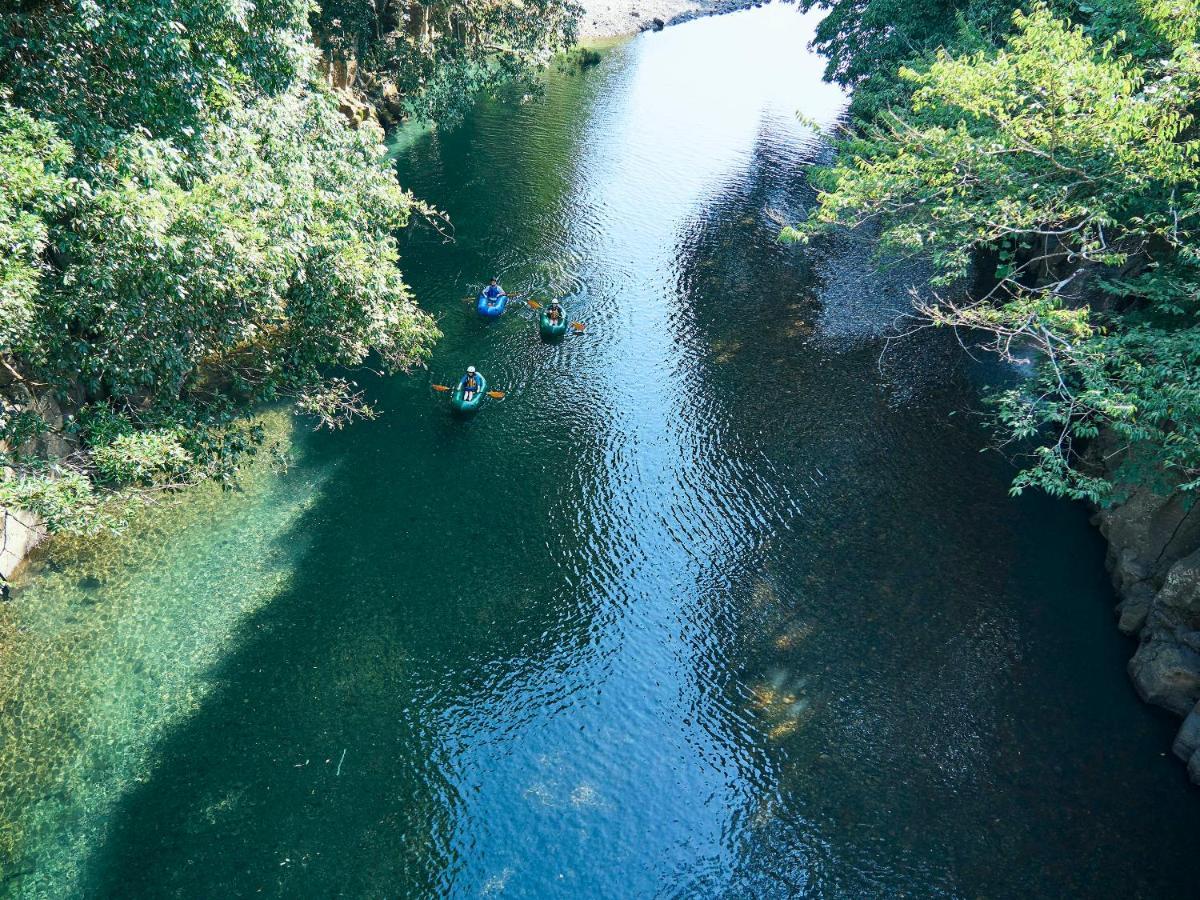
(440, 387)
(578, 326)
(533, 304)
(499, 395)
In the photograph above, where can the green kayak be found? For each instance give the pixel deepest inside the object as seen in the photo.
(548, 329)
(468, 406)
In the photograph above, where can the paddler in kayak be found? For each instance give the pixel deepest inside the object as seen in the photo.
(493, 291)
(469, 384)
(555, 313)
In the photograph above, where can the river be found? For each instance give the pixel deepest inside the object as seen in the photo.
(721, 600)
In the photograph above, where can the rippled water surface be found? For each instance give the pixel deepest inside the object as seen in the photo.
(717, 602)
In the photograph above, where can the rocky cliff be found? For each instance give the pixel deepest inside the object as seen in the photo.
(1154, 556)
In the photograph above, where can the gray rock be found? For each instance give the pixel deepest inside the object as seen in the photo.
(1129, 568)
(1179, 599)
(20, 532)
(1167, 673)
(1153, 528)
(1194, 767)
(1134, 609)
(1187, 741)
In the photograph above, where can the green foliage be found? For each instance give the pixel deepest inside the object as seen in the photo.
(105, 69)
(578, 59)
(440, 55)
(63, 499)
(19, 426)
(335, 404)
(1050, 137)
(32, 188)
(1071, 167)
(241, 275)
(188, 228)
(868, 41)
(143, 457)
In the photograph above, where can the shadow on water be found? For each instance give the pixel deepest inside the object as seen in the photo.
(398, 633)
(933, 663)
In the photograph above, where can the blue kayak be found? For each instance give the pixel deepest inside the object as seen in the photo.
(491, 307)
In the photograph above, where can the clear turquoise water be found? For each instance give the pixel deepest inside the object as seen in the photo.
(717, 602)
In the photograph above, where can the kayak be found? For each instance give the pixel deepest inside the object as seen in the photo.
(548, 329)
(491, 308)
(469, 406)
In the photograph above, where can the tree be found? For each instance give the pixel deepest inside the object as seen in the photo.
(33, 187)
(1063, 162)
(437, 56)
(868, 41)
(190, 229)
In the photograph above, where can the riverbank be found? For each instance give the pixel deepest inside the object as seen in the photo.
(620, 18)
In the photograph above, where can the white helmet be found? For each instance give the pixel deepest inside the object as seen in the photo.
(470, 370)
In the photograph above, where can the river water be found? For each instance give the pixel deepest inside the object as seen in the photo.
(721, 600)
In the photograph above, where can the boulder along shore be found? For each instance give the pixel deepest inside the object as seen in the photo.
(619, 18)
(1154, 558)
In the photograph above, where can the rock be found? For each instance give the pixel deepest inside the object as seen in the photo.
(1187, 741)
(1129, 568)
(1154, 558)
(1134, 609)
(1167, 673)
(1177, 604)
(658, 24)
(354, 108)
(1153, 528)
(19, 533)
(340, 71)
(53, 443)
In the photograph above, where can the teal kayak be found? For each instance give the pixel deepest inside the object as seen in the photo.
(469, 406)
(548, 329)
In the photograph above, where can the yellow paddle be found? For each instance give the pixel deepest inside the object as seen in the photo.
(498, 395)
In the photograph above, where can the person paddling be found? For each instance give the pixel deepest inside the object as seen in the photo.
(469, 384)
(493, 291)
(555, 313)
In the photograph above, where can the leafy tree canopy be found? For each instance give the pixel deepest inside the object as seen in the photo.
(438, 55)
(188, 228)
(1069, 164)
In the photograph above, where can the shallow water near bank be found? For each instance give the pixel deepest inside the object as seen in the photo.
(720, 601)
